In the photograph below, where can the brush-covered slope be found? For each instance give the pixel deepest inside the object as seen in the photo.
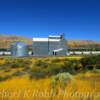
(6, 40)
(83, 44)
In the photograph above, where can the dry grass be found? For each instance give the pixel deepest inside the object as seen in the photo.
(83, 87)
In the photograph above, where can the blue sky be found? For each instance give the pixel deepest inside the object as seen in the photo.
(78, 19)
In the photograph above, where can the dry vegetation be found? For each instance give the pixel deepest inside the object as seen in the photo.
(62, 78)
(7, 40)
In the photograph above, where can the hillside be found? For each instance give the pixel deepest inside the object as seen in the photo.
(89, 44)
(6, 40)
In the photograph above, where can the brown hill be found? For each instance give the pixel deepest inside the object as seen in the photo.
(88, 44)
(7, 40)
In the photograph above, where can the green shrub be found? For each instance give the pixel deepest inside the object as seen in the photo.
(37, 73)
(54, 69)
(55, 60)
(17, 63)
(4, 78)
(18, 73)
(90, 62)
(40, 63)
(61, 80)
(97, 66)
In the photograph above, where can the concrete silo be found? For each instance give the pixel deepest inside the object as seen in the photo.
(19, 49)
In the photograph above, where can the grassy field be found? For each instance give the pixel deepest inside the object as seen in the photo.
(24, 79)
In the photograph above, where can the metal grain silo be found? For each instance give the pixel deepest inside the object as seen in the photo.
(19, 49)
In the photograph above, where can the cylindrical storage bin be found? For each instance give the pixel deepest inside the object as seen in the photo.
(19, 49)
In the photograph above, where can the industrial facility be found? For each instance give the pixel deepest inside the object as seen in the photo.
(51, 46)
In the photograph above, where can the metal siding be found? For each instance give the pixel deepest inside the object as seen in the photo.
(40, 48)
(53, 46)
(43, 48)
(19, 49)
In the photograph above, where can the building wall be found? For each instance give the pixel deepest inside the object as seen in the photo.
(40, 48)
(53, 46)
(22, 51)
(64, 46)
(19, 49)
(45, 48)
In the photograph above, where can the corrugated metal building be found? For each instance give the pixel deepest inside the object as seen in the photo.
(51, 46)
(19, 49)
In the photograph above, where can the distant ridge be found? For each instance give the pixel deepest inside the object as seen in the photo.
(88, 44)
(7, 40)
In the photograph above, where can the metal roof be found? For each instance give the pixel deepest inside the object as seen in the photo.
(40, 39)
(45, 40)
(55, 36)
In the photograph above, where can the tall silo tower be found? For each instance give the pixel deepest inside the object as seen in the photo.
(57, 45)
(19, 49)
